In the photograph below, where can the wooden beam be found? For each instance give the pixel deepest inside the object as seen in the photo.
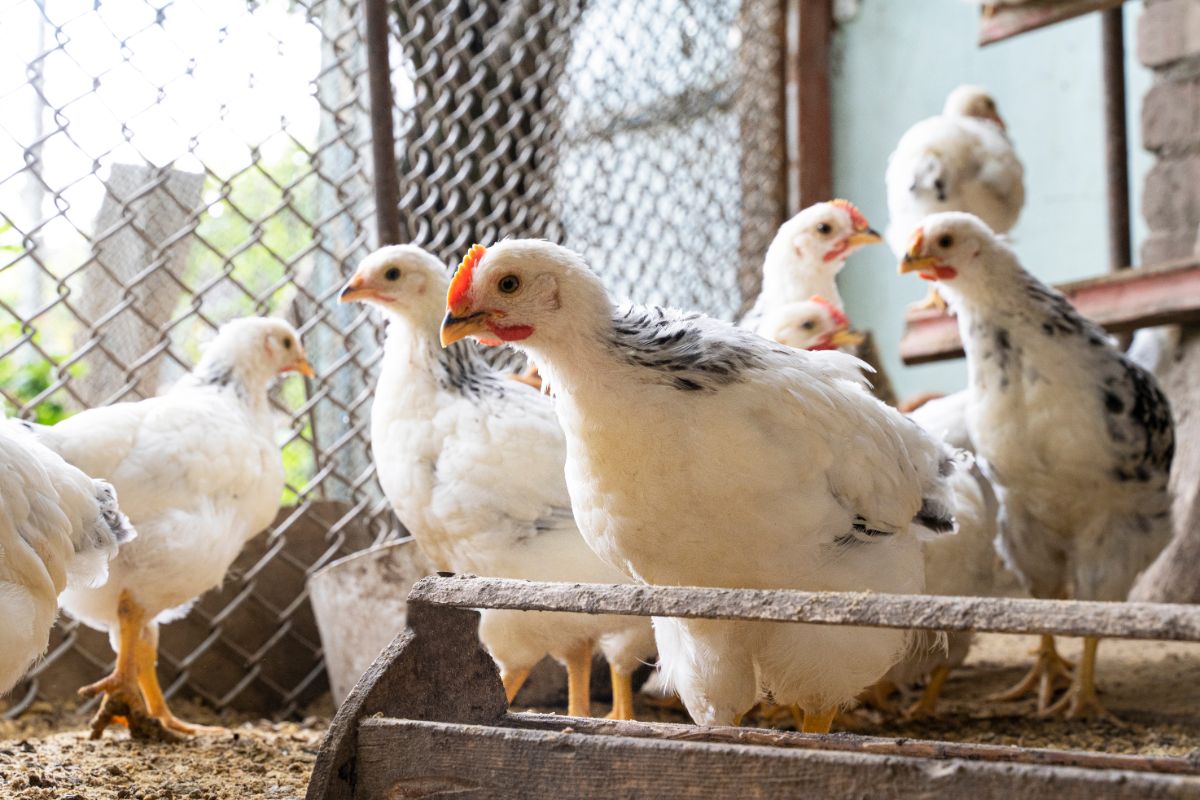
(997, 22)
(998, 615)
(1121, 302)
(878, 745)
(403, 758)
(808, 119)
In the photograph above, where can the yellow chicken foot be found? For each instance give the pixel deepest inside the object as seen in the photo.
(513, 681)
(122, 700)
(146, 659)
(878, 696)
(927, 705)
(818, 722)
(1049, 672)
(1080, 700)
(579, 679)
(622, 691)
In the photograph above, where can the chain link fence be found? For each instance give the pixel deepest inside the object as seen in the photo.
(165, 166)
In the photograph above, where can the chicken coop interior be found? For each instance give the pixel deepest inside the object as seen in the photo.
(540, 399)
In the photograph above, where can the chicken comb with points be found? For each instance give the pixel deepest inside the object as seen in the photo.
(460, 284)
(856, 216)
(836, 314)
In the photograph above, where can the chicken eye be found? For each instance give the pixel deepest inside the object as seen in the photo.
(808, 325)
(509, 284)
(945, 241)
(824, 228)
(392, 274)
(287, 343)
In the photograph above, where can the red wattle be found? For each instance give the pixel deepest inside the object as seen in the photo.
(510, 333)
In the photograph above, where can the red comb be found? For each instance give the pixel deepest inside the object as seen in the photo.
(460, 284)
(839, 317)
(856, 216)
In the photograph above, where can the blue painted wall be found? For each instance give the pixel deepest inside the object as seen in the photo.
(893, 64)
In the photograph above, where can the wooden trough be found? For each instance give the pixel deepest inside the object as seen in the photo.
(429, 718)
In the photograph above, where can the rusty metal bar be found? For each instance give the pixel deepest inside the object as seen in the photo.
(1121, 302)
(383, 136)
(808, 26)
(1157, 621)
(1116, 144)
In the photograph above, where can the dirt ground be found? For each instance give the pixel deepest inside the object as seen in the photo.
(1152, 687)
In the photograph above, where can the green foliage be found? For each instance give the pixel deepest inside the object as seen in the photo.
(26, 380)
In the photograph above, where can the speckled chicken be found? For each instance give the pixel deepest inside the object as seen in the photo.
(58, 528)
(473, 464)
(1075, 437)
(702, 454)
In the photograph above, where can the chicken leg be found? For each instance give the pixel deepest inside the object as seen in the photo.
(1080, 699)
(819, 722)
(1049, 672)
(123, 701)
(513, 681)
(927, 705)
(579, 679)
(146, 660)
(622, 691)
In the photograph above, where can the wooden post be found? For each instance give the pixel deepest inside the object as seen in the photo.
(809, 24)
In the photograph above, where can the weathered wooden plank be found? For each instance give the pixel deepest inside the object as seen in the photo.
(998, 615)
(1122, 302)
(436, 669)
(1000, 22)
(846, 742)
(808, 28)
(402, 758)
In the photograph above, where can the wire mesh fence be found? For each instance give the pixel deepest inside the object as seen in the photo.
(167, 166)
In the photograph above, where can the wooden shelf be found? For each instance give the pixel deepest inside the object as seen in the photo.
(1121, 302)
(997, 23)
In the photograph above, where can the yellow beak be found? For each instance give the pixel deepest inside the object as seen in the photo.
(925, 264)
(352, 291)
(846, 338)
(455, 328)
(860, 238)
(304, 368)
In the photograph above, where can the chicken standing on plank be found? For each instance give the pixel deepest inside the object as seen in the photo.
(199, 473)
(806, 255)
(961, 160)
(1075, 437)
(701, 454)
(473, 465)
(58, 528)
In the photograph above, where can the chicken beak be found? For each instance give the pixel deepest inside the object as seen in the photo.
(353, 290)
(864, 237)
(846, 338)
(302, 366)
(926, 265)
(455, 328)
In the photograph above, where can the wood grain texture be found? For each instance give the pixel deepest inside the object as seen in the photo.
(1121, 302)
(436, 669)
(997, 23)
(1165, 622)
(846, 742)
(409, 759)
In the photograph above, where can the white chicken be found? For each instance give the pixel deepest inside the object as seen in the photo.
(473, 465)
(813, 324)
(199, 473)
(58, 528)
(806, 255)
(1075, 437)
(961, 160)
(702, 454)
(963, 565)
